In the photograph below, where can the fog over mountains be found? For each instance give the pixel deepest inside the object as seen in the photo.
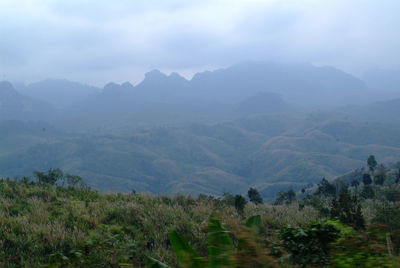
(60, 93)
(14, 105)
(268, 125)
(295, 82)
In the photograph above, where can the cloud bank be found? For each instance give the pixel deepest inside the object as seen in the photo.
(100, 41)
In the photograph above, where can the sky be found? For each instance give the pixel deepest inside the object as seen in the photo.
(98, 41)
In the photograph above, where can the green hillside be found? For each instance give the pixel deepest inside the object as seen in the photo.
(271, 152)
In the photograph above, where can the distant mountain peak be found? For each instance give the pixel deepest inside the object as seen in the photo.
(111, 86)
(127, 85)
(176, 75)
(6, 85)
(155, 74)
(6, 88)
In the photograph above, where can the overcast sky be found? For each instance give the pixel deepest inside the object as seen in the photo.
(98, 41)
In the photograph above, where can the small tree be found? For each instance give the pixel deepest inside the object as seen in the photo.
(254, 196)
(372, 163)
(285, 197)
(74, 180)
(367, 179)
(240, 203)
(326, 188)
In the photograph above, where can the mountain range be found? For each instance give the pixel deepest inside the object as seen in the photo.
(266, 125)
(13, 105)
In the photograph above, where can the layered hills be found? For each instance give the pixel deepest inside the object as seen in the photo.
(263, 151)
(252, 124)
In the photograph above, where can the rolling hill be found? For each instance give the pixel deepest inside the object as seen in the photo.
(268, 152)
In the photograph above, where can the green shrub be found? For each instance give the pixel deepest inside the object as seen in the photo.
(348, 210)
(309, 245)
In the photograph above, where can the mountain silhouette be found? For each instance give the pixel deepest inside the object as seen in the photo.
(61, 93)
(13, 105)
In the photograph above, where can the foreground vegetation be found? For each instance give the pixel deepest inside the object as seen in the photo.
(57, 221)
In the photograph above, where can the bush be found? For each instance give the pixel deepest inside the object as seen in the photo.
(348, 210)
(388, 214)
(309, 245)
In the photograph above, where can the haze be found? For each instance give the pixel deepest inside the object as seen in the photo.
(100, 41)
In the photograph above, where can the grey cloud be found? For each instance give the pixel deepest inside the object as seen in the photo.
(108, 39)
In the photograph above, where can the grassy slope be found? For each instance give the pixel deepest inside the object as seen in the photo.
(38, 222)
(42, 224)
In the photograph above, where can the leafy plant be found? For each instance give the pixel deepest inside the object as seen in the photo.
(187, 256)
(221, 251)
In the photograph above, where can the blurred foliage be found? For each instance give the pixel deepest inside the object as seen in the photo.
(348, 210)
(64, 223)
(309, 245)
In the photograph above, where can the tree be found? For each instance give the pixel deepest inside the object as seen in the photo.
(285, 197)
(254, 196)
(326, 188)
(74, 180)
(372, 163)
(367, 179)
(240, 203)
(52, 176)
(398, 176)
